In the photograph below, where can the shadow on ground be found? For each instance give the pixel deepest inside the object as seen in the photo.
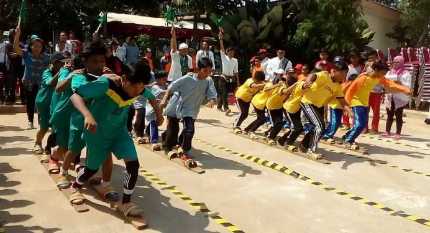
(160, 214)
(8, 221)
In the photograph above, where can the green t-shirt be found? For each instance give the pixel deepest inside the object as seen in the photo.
(56, 96)
(44, 95)
(109, 104)
(76, 118)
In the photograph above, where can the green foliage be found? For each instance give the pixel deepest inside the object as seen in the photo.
(415, 22)
(145, 41)
(335, 25)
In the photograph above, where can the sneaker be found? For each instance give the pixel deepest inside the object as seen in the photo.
(38, 149)
(292, 148)
(156, 147)
(396, 136)
(314, 155)
(271, 142)
(237, 130)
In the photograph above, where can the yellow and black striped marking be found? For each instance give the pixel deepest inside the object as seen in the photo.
(385, 163)
(199, 206)
(288, 171)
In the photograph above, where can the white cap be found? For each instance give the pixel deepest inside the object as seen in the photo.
(183, 46)
(279, 71)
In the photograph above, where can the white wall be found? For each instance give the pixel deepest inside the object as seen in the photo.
(381, 20)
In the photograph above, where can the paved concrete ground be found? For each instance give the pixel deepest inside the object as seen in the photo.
(252, 197)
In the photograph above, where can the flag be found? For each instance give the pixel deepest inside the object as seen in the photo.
(102, 18)
(169, 15)
(23, 12)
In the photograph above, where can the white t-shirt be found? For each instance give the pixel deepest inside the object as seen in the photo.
(121, 52)
(229, 65)
(209, 54)
(175, 69)
(274, 65)
(400, 99)
(67, 47)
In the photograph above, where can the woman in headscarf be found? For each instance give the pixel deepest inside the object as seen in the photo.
(396, 102)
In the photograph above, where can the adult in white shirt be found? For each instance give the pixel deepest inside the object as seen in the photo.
(230, 75)
(121, 51)
(63, 44)
(276, 63)
(182, 63)
(396, 102)
(205, 52)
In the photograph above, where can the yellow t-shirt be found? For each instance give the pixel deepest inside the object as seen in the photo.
(245, 92)
(321, 90)
(359, 91)
(276, 100)
(292, 104)
(260, 99)
(334, 102)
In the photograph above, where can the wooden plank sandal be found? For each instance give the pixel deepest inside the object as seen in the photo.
(132, 214)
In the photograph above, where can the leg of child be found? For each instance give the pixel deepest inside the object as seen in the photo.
(261, 119)
(335, 121)
(244, 111)
(153, 132)
(278, 122)
(171, 133)
(187, 134)
(361, 116)
(139, 118)
(315, 116)
(297, 127)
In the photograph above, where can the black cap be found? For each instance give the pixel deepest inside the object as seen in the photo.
(57, 57)
(341, 65)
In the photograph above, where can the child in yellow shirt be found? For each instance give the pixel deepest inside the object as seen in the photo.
(357, 96)
(259, 103)
(244, 96)
(318, 89)
(275, 104)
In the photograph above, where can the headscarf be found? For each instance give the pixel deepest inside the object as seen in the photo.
(401, 65)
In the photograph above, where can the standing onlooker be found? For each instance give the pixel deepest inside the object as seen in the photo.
(181, 61)
(355, 68)
(376, 94)
(230, 74)
(205, 52)
(324, 64)
(132, 51)
(35, 61)
(15, 73)
(112, 62)
(276, 63)
(121, 50)
(76, 43)
(64, 44)
(148, 57)
(3, 69)
(396, 102)
(166, 62)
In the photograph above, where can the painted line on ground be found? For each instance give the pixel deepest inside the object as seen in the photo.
(377, 161)
(199, 206)
(288, 171)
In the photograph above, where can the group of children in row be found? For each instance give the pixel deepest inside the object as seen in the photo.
(300, 100)
(86, 105)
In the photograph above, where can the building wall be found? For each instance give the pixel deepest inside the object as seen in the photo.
(381, 20)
